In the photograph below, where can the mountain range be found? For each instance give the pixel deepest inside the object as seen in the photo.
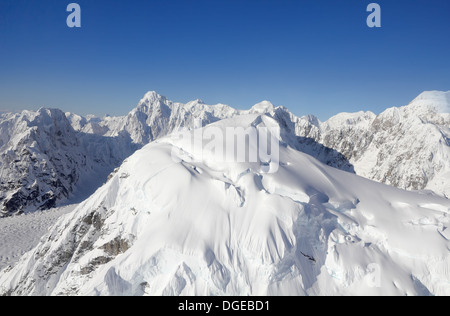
(178, 220)
(49, 158)
(327, 215)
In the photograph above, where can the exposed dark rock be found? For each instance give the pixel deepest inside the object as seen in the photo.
(116, 247)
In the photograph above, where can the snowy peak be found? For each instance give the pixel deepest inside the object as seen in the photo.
(152, 103)
(38, 160)
(434, 96)
(77, 121)
(262, 107)
(53, 121)
(194, 103)
(437, 101)
(362, 119)
(406, 147)
(155, 116)
(152, 97)
(314, 120)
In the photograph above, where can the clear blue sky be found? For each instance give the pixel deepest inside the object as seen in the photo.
(313, 56)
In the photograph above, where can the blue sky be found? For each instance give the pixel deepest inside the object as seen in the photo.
(312, 56)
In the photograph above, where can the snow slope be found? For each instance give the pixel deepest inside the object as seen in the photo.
(176, 220)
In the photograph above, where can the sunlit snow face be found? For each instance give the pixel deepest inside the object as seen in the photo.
(447, 103)
(444, 105)
(443, 108)
(230, 145)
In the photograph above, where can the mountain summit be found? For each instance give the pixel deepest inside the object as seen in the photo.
(262, 107)
(434, 101)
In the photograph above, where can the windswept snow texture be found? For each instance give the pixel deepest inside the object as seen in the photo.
(196, 225)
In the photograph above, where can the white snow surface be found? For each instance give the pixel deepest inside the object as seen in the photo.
(196, 225)
(20, 234)
(435, 100)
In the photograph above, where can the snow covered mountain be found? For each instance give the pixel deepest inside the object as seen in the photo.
(407, 147)
(43, 160)
(155, 116)
(38, 159)
(48, 157)
(176, 220)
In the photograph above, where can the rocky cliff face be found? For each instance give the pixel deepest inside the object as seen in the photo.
(39, 159)
(43, 160)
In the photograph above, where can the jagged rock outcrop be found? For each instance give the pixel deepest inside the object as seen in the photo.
(43, 160)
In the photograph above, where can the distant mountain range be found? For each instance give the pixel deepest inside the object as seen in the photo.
(49, 157)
